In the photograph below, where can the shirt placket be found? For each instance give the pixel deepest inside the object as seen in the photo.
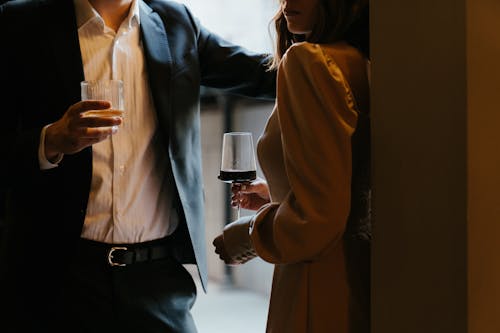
(117, 57)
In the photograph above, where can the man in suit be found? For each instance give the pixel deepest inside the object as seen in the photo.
(104, 210)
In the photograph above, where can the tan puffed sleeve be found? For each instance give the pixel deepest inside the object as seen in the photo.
(317, 118)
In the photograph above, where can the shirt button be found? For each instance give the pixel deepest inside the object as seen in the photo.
(122, 169)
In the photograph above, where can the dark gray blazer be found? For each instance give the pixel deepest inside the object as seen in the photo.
(40, 71)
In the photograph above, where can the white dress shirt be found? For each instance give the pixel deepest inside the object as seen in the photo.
(131, 194)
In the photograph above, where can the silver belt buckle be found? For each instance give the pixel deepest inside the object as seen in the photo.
(110, 255)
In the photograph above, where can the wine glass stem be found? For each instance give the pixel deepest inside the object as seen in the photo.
(238, 211)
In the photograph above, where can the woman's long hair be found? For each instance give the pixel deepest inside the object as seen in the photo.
(337, 20)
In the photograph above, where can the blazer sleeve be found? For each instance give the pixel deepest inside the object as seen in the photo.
(18, 142)
(233, 68)
(317, 118)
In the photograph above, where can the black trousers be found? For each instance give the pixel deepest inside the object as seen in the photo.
(149, 297)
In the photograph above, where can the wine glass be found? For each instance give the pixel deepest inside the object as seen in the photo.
(238, 159)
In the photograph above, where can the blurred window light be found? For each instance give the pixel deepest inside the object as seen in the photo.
(243, 22)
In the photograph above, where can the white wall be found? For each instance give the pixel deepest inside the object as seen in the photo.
(245, 22)
(211, 140)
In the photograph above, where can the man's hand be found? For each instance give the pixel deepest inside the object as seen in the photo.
(84, 124)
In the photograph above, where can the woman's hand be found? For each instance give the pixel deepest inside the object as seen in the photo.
(234, 245)
(250, 196)
(220, 249)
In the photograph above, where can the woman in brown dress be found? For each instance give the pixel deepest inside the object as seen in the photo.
(312, 212)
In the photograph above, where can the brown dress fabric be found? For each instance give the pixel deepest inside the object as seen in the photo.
(315, 155)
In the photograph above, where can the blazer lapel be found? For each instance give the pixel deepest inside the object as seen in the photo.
(159, 64)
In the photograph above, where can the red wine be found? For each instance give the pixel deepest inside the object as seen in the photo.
(238, 176)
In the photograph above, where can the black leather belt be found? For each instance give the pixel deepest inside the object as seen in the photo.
(125, 254)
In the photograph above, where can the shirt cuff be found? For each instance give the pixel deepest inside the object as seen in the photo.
(45, 164)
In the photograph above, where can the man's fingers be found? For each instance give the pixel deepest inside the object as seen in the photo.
(83, 106)
(89, 142)
(101, 132)
(103, 121)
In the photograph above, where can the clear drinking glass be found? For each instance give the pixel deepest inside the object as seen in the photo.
(106, 90)
(238, 159)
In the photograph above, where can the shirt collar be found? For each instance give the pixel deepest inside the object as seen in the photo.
(133, 17)
(85, 13)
